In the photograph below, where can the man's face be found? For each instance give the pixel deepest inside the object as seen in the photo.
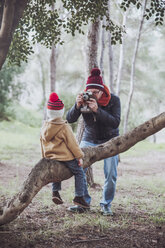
(96, 93)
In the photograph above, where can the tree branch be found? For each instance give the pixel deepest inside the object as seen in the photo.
(47, 171)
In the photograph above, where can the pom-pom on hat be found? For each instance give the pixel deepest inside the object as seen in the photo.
(95, 80)
(54, 103)
(55, 107)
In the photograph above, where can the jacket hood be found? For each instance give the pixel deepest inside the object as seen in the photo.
(51, 128)
(57, 121)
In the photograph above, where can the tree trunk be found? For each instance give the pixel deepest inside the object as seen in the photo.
(80, 129)
(92, 46)
(121, 58)
(91, 62)
(12, 12)
(42, 79)
(133, 70)
(53, 63)
(53, 69)
(110, 54)
(47, 171)
(102, 49)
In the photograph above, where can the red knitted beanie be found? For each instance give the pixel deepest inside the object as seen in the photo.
(54, 103)
(95, 80)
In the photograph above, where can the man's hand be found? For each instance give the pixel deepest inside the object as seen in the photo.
(93, 105)
(79, 100)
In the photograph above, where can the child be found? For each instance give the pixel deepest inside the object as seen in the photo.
(58, 142)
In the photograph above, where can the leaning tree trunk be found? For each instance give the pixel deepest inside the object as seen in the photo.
(133, 70)
(47, 171)
(12, 13)
(91, 62)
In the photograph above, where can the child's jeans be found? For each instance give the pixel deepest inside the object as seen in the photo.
(79, 175)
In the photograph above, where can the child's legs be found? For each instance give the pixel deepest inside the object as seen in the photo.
(56, 186)
(79, 176)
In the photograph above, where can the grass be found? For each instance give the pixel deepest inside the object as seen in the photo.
(142, 148)
(17, 140)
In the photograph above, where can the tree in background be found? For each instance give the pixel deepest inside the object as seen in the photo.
(10, 89)
(128, 105)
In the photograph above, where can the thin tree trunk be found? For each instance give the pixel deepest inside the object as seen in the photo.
(53, 58)
(102, 48)
(42, 80)
(43, 83)
(133, 70)
(47, 170)
(110, 54)
(121, 58)
(12, 12)
(53, 69)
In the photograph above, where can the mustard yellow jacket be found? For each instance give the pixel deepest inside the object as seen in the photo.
(58, 141)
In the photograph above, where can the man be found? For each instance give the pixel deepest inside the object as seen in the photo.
(101, 125)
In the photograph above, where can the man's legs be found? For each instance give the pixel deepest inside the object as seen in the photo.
(87, 197)
(110, 172)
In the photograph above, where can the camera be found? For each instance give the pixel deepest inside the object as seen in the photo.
(87, 95)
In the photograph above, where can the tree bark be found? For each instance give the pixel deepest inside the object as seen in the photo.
(91, 62)
(80, 129)
(121, 58)
(110, 54)
(12, 12)
(133, 70)
(102, 48)
(47, 171)
(92, 46)
(53, 69)
(53, 63)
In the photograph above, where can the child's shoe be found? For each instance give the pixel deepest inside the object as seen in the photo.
(79, 200)
(56, 198)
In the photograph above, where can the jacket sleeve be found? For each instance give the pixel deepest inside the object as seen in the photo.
(73, 114)
(110, 119)
(71, 142)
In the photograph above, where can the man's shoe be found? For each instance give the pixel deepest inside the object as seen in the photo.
(77, 209)
(56, 198)
(79, 200)
(106, 210)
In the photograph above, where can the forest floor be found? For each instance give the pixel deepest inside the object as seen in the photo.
(139, 206)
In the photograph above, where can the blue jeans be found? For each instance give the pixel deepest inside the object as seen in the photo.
(110, 173)
(79, 175)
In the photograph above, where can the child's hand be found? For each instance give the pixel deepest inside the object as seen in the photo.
(80, 162)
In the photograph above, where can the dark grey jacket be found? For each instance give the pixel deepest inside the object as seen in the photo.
(101, 126)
